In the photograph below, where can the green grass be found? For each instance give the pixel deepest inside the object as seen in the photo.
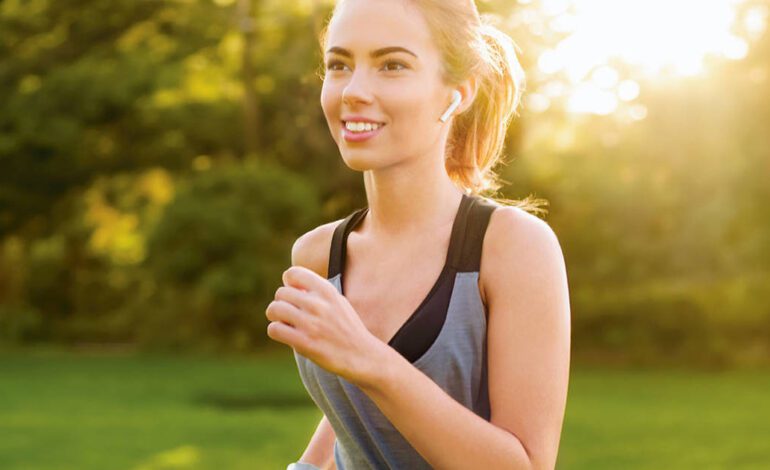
(70, 411)
(63, 410)
(676, 419)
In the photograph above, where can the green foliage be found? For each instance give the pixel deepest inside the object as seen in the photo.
(708, 322)
(21, 324)
(216, 257)
(79, 85)
(106, 234)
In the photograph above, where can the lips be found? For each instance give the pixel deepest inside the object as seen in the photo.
(362, 136)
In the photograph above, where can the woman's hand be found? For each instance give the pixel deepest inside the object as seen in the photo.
(312, 317)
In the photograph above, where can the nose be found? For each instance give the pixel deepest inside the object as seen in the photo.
(358, 88)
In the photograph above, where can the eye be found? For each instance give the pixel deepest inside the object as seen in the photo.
(332, 64)
(393, 62)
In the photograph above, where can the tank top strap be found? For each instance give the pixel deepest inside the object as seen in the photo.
(467, 258)
(338, 245)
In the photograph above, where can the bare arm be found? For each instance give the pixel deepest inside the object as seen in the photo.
(320, 450)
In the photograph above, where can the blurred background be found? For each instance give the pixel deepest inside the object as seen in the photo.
(158, 159)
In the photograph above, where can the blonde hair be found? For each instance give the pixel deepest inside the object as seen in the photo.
(471, 46)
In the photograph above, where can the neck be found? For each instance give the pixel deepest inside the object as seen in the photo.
(409, 198)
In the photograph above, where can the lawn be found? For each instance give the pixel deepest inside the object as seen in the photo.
(67, 410)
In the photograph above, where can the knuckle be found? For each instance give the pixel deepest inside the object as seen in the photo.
(317, 304)
(274, 330)
(271, 312)
(281, 292)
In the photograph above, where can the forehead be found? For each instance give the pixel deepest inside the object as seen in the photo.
(364, 25)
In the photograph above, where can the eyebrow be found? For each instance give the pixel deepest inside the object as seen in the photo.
(373, 54)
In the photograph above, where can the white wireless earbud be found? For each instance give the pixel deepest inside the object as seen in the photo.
(456, 98)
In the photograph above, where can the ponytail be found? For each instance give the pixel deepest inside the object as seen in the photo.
(478, 134)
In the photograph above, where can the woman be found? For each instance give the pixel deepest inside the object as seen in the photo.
(450, 346)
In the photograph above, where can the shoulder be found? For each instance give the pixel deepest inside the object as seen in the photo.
(311, 249)
(517, 228)
(519, 248)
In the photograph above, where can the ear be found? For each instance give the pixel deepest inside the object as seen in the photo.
(467, 89)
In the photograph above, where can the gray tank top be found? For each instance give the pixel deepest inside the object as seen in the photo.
(445, 338)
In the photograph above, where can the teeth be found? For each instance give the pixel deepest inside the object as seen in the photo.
(361, 126)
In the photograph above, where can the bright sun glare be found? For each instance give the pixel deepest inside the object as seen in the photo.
(657, 38)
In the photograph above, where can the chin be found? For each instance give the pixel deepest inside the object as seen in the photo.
(366, 159)
(358, 161)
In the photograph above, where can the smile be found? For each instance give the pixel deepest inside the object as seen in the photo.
(360, 131)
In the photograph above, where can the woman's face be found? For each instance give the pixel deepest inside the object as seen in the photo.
(382, 65)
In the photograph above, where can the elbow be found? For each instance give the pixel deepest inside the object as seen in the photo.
(539, 460)
(540, 464)
(532, 456)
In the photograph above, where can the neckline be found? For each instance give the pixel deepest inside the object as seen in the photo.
(455, 243)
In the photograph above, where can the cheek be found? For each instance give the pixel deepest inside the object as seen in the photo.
(330, 104)
(329, 101)
(410, 110)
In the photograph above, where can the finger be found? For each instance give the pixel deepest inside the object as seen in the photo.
(286, 334)
(303, 278)
(278, 310)
(304, 300)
